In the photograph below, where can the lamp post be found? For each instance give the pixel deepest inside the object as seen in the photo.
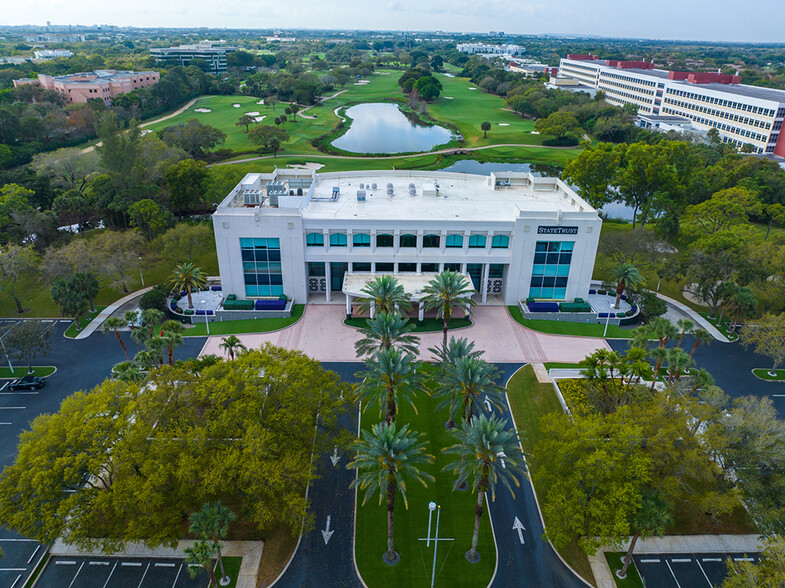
(435, 543)
(141, 277)
(607, 320)
(431, 508)
(659, 277)
(11, 367)
(206, 321)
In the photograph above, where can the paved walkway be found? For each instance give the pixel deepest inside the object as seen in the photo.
(676, 544)
(250, 551)
(322, 335)
(94, 324)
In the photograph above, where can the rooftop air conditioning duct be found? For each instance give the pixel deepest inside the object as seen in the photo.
(389, 189)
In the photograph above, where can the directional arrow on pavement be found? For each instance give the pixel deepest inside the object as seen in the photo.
(501, 455)
(517, 526)
(327, 533)
(487, 403)
(334, 457)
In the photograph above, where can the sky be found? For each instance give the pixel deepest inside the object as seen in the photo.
(758, 21)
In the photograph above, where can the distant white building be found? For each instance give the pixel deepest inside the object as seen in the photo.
(298, 233)
(213, 52)
(486, 49)
(52, 53)
(54, 38)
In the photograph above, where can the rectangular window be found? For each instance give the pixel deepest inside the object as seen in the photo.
(384, 240)
(431, 241)
(407, 267)
(428, 268)
(551, 269)
(454, 241)
(408, 240)
(385, 267)
(261, 266)
(361, 266)
(453, 267)
(361, 240)
(316, 269)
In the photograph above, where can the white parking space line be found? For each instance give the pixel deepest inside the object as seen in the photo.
(778, 395)
(18, 393)
(650, 561)
(743, 559)
(143, 575)
(110, 575)
(165, 565)
(703, 572)
(177, 577)
(99, 563)
(76, 575)
(19, 541)
(13, 569)
(32, 556)
(19, 577)
(5, 423)
(4, 386)
(675, 579)
(681, 560)
(13, 408)
(135, 564)
(712, 559)
(65, 563)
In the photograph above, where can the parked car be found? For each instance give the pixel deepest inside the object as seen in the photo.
(27, 383)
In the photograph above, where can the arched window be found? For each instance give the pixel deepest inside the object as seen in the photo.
(454, 241)
(361, 240)
(384, 240)
(500, 242)
(477, 242)
(431, 241)
(314, 239)
(408, 240)
(337, 239)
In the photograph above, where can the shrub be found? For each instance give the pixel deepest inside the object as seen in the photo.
(155, 298)
(561, 142)
(574, 393)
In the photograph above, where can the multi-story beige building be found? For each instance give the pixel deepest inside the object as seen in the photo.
(742, 114)
(104, 84)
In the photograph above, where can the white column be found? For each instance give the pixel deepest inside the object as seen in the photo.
(348, 305)
(329, 281)
(486, 268)
(373, 308)
(420, 311)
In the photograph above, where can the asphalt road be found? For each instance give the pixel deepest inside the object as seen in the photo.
(114, 572)
(81, 365)
(696, 570)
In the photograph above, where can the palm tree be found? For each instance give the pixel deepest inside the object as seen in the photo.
(454, 350)
(386, 330)
(659, 354)
(384, 294)
(685, 326)
(200, 555)
(172, 335)
(464, 382)
(232, 345)
(663, 329)
(188, 277)
(701, 336)
(146, 359)
(113, 323)
(127, 371)
(489, 453)
(391, 376)
(651, 520)
(151, 318)
(678, 361)
(156, 346)
(626, 276)
(700, 379)
(386, 457)
(485, 127)
(212, 523)
(131, 317)
(640, 336)
(445, 291)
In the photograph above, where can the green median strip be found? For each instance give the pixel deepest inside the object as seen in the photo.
(765, 374)
(72, 331)
(21, 370)
(245, 325)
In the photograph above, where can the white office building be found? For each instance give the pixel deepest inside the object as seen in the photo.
(303, 233)
(487, 49)
(741, 114)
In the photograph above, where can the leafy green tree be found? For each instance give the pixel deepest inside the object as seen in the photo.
(114, 324)
(724, 209)
(27, 340)
(740, 305)
(489, 454)
(769, 572)
(264, 135)
(200, 555)
(390, 377)
(485, 127)
(185, 242)
(558, 124)
(467, 381)
(766, 337)
(386, 457)
(651, 520)
(384, 294)
(211, 523)
(188, 277)
(384, 331)
(428, 87)
(594, 172)
(678, 362)
(626, 276)
(232, 345)
(117, 254)
(17, 263)
(647, 173)
(172, 335)
(186, 183)
(245, 121)
(150, 218)
(445, 291)
(70, 298)
(193, 137)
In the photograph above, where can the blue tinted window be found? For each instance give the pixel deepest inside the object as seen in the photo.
(337, 240)
(361, 240)
(551, 269)
(454, 241)
(262, 270)
(477, 241)
(314, 239)
(500, 242)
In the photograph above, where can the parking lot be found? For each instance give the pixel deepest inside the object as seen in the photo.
(687, 570)
(117, 572)
(20, 556)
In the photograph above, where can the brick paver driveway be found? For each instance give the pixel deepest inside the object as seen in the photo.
(322, 335)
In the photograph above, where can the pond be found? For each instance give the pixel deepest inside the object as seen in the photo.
(383, 128)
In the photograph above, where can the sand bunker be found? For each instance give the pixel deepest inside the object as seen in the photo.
(202, 110)
(449, 98)
(261, 101)
(236, 105)
(535, 133)
(253, 113)
(504, 124)
(472, 88)
(260, 118)
(308, 166)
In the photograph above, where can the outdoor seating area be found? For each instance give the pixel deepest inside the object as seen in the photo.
(213, 305)
(597, 307)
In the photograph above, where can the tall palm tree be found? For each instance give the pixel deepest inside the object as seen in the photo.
(701, 336)
(386, 458)
(188, 277)
(172, 335)
(391, 376)
(663, 329)
(113, 323)
(232, 345)
(211, 523)
(386, 330)
(463, 385)
(659, 354)
(156, 345)
(640, 336)
(685, 326)
(489, 453)
(127, 371)
(131, 317)
(146, 359)
(455, 349)
(443, 292)
(700, 379)
(384, 294)
(626, 275)
(151, 318)
(651, 520)
(200, 555)
(678, 361)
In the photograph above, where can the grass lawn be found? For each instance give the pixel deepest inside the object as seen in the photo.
(247, 325)
(568, 328)
(278, 549)
(72, 331)
(529, 401)
(429, 325)
(414, 567)
(763, 374)
(633, 579)
(723, 328)
(232, 569)
(21, 370)
(42, 564)
(555, 364)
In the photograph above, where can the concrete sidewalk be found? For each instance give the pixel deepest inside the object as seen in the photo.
(675, 544)
(94, 324)
(695, 317)
(250, 551)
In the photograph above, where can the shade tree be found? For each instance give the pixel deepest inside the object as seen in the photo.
(17, 264)
(26, 341)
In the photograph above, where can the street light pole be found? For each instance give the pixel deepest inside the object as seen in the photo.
(607, 320)
(206, 321)
(435, 544)
(140, 272)
(431, 508)
(8, 357)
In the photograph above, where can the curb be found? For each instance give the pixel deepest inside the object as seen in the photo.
(779, 381)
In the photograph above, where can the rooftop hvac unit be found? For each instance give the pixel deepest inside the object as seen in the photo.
(362, 186)
(360, 195)
(373, 186)
(412, 190)
(274, 191)
(251, 197)
(389, 189)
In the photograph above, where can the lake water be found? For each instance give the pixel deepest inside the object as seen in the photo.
(383, 128)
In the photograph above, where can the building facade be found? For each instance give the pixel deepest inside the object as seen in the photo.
(104, 84)
(297, 233)
(213, 52)
(741, 114)
(486, 49)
